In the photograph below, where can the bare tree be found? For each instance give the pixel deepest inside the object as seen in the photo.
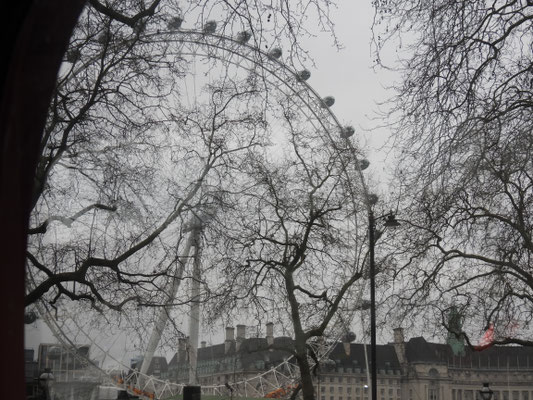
(462, 123)
(109, 206)
(124, 159)
(295, 251)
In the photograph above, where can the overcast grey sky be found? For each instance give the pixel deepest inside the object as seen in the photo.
(348, 74)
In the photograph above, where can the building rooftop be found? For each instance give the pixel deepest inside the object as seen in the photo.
(418, 350)
(385, 356)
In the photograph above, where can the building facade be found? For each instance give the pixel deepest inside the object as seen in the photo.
(63, 362)
(407, 370)
(433, 371)
(237, 359)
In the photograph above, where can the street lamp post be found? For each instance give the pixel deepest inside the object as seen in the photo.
(372, 244)
(390, 222)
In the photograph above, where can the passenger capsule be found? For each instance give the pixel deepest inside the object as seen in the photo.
(328, 101)
(210, 27)
(73, 55)
(363, 164)
(303, 75)
(175, 23)
(275, 53)
(372, 198)
(347, 132)
(243, 37)
(103, 38)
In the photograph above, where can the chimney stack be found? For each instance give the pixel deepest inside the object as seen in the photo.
(229, 339)
(399, 345)
(270, 333)
(398, 335)
(241, 335)
(229, 332)
(241, 331)
(347, 339)
(202, 344)
(182, 350)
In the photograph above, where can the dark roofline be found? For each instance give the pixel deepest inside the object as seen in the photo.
(418, 350)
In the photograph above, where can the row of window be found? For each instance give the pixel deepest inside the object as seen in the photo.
(460, 394)
(356, 398)
(353, 379)
(468, 395)
(358, 390)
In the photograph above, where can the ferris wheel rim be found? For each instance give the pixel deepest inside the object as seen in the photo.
(201, 39)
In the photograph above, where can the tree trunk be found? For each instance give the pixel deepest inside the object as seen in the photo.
(308, 389)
